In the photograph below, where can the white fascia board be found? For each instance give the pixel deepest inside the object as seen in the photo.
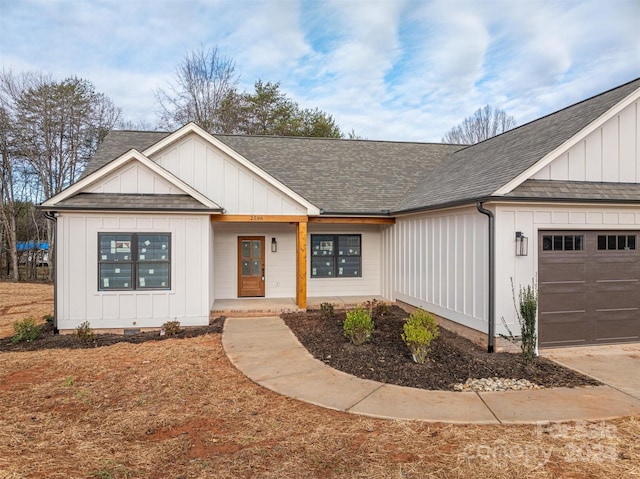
(564, 147)
(193, 128)
(131, 155)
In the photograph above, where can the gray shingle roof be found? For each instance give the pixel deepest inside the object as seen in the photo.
(343, 175)
(477, 171)
(117, 143)
(367, 177)
(116, 201)
(576, 190)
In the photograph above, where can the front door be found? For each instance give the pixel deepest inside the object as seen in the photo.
(250, 266)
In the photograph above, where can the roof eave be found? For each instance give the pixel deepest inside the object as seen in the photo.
(57, 208)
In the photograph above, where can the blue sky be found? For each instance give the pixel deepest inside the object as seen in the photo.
(391, 70)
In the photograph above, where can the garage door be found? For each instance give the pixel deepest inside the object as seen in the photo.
(589, 287)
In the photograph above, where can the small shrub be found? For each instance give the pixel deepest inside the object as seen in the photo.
(26, 330)
(526, 312)
(84, 332)
(48, 318)
(170, 328)
(327, 310)
(358, 326)
(377, 309)
(419, 330)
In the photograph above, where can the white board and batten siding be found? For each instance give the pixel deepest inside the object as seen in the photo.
(80, 300)
(439, 262)
(611, 153)
(530, 219)
(223, 180)
(133, 177)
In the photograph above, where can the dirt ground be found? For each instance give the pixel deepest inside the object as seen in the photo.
(22, 300)
(178, 409)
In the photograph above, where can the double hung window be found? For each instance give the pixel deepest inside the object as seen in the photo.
(336, 256)
(134, 261)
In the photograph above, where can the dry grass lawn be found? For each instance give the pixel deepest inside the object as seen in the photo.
(179, 409)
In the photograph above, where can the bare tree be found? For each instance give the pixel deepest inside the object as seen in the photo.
(204, 85)
(483, 124)
(205, 92)
(8, 212)
(55, 127)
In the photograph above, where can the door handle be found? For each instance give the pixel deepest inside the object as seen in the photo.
(263, 273)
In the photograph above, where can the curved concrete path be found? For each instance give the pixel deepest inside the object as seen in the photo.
(266, 351)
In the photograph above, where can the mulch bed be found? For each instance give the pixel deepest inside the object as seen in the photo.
(385, 358)
(48, 340)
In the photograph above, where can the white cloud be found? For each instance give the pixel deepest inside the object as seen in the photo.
(389, 69)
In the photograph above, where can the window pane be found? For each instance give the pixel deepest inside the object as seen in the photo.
(322, 267)
(602, 242)
(568, 243)
(153, 247)
(256, 248)
(115, 247)
(349, 267)
(246, 249)
(115, 276)
(322, 245)
(153, 275)
(255, 267)
(631, 242)
(547, 244)
(622, 242)
(557, 243)
(348, 245)
(611, 242)
(579, 244)
(246, 267)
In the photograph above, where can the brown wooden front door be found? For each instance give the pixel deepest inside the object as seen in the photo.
(251, 278)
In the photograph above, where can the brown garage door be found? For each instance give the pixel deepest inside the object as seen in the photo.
(589, 287)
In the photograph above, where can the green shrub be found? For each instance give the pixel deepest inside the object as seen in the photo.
(171, 328)
(419, 330)
(84, 332)
(358, 326)
(26, 330)
(327, 310)
(48, 318)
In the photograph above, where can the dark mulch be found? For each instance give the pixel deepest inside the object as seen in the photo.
(385, 358)
(48, 340)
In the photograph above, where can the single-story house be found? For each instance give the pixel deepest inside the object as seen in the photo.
(160, 226)
(29, 251)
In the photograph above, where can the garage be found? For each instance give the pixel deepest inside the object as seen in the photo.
(589, 287)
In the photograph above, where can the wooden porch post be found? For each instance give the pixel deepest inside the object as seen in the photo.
(301, 265)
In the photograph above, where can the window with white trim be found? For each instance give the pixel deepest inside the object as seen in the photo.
(134, 261)
(336, 256)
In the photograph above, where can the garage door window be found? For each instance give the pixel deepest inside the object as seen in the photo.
(617, 242)
(562, 242)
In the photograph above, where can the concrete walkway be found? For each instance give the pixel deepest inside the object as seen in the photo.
(266, 351)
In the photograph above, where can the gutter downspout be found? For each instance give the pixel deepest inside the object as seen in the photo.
(492, 275)
(51, 216)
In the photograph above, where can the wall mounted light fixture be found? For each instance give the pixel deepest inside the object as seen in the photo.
(274, 245)
(522, 244)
